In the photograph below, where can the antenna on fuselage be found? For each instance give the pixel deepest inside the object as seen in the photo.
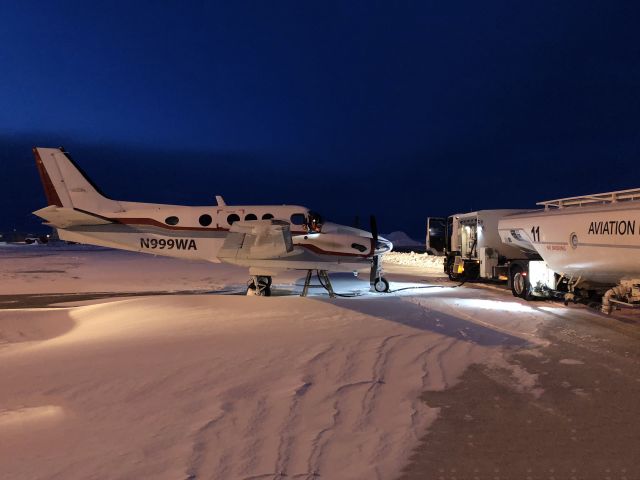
(220, 200)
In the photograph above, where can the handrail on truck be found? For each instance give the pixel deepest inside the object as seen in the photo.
(597, 198)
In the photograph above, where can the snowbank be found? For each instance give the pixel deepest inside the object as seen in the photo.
(413, 259)
(401, 239)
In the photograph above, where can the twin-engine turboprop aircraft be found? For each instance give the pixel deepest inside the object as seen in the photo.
(266, 238)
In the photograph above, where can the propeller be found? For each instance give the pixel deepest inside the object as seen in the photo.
(374, 263)
(374, 230)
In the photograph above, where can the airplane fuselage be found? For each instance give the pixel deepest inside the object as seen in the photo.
(198, 233)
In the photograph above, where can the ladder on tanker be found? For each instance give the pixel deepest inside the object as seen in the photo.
(595, 199)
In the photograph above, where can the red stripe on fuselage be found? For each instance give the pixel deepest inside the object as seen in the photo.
(156, 223)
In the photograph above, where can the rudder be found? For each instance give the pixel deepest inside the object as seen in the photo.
(65, 185)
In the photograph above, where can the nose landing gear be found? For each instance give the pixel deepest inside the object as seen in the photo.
(377, 281)
(259, 286)
(381, 285)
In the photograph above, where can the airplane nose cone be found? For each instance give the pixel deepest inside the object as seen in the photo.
(383, 245)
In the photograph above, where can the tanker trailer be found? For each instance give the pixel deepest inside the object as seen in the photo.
(588, 245)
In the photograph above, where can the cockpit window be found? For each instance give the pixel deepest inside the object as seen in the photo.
(298, 219)
(314, 222)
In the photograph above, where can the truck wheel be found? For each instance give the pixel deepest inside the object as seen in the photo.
(519, 283)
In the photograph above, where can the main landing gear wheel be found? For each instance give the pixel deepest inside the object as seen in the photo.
(259, 286)
(381, 285)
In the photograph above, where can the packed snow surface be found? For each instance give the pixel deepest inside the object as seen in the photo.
(228, 386)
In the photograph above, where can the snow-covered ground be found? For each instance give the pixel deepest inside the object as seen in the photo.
(228, 386)
(76, 268)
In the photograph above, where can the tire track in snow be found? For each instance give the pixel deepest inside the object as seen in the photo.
(377, 377)
(438, 360)
(253, 448)
(199, 444)
(287, 437)
(322, 438)
(348, 370)
(314, 373)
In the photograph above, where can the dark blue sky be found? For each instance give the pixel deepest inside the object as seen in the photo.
(404, 109)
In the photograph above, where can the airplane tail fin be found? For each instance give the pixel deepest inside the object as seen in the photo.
(65, 185)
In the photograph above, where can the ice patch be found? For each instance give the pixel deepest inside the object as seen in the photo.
(523, 381)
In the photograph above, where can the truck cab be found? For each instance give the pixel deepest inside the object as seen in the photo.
(474, 249)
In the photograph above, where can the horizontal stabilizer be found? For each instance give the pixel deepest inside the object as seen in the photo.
(61, 217)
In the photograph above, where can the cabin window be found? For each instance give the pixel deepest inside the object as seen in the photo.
(232, 218)
(250, 216)
(298, 218)
(205, 220)
(267, 216)
(171, 220)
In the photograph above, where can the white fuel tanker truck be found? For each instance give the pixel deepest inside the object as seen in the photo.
(573, 248)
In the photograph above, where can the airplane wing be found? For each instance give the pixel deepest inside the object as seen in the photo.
(62, 217)
(257, 239)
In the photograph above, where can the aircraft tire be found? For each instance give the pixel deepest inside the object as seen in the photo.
(252, 292)
(381, 285)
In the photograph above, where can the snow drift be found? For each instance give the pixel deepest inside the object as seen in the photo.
(226, 386)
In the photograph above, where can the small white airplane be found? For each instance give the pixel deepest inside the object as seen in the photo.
(266, 238)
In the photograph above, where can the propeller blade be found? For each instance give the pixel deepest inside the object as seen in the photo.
(375, 260)
(374, 229)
